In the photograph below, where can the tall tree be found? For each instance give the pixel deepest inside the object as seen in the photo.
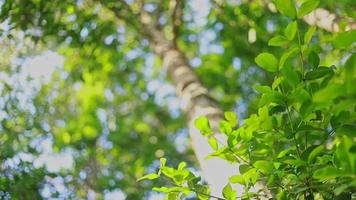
(84, 24)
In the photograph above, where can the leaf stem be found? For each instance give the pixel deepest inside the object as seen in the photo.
(208, 195)
(291, 125)
(302, 71)
(301, 53)
(249, 164)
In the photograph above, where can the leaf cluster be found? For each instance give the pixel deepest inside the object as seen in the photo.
(301, 142)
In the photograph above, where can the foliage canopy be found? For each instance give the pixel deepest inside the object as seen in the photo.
(290, 87)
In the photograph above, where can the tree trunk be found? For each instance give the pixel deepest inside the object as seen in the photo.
(327, 20)
(195, 102)
(194, 97)
(323, 19)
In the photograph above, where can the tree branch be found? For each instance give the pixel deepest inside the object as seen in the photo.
(177, 14)
(124, 13)
(322, 18)
(142, 23)
(193, 94)
(328, 21)
(158, 13)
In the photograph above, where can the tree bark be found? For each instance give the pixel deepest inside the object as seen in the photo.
(195, 102)
(194, 96)
(323, 19)
(327, 20)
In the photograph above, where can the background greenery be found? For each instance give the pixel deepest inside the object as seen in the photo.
(106, 109)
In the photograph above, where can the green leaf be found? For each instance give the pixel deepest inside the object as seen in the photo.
(172, 196)
(337, 120)
(309, 34)
(353, 149)
(318, 73)
(264, 166)
(261, 149)
(272, 97)
(246, 135)
(172, 189)
(251, 176)
(237, 179)
(180, 176)
(213, 143)
(267, 61)
(225, 127)
(231, 117)
(229, 193)
(329, 173)
(163, 162)
(315, 152)
(231, 139)
(193, 181)
(327, 94)
(244, 168)
(342, 156)
(263, 89)
(202, 124)
(350, 71)
(295, 162)
(341, 188)
(160, 189)
(345, 39)
(278, 41)
(282, 195)
(291, 77)
(148, 177)
(288, 54)
(347, 129)
(178, 179)
(299, 95)
(306, 153)
(203, 192)
(285, 152)
(291, 30)
(286, 7)
(277, 165)
(307, 7)
(277, 81)
(168, 171)
(314, 59)
(182, 165)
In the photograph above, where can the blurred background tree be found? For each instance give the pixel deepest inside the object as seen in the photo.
(107, 110)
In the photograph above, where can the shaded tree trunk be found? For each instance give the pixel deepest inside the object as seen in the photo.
(195, 101)
(194, 97)
(327, 20)
(323, 19)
